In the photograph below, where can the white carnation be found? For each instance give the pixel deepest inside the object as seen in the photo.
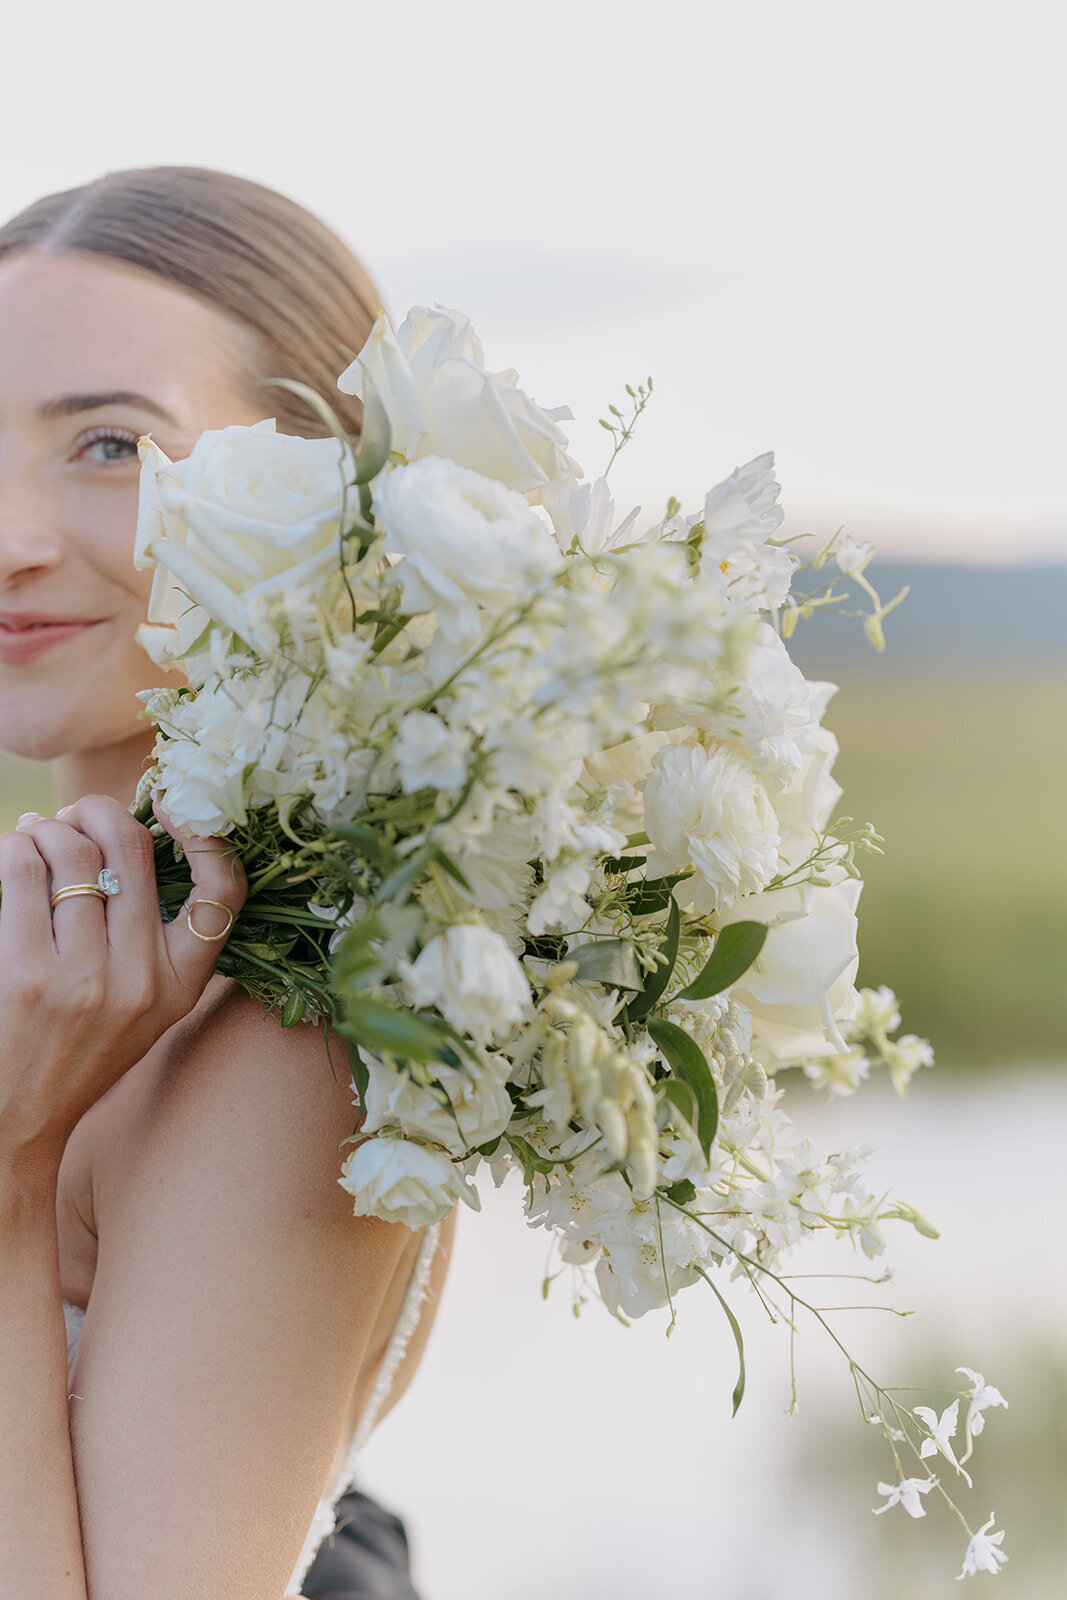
(708, 810)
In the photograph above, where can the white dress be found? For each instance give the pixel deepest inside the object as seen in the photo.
(322, 1523)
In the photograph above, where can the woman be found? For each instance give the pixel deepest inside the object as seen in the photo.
(168, 1155)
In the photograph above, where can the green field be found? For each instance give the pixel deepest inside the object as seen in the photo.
(966, 914)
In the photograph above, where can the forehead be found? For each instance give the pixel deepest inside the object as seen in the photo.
(75, 322)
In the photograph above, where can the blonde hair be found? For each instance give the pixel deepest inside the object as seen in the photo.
(251, 252)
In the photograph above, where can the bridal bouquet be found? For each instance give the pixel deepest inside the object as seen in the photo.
(538, 819)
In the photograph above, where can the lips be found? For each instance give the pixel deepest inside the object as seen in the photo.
(26, 635)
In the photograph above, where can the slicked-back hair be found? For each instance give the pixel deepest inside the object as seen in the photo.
(249, 251)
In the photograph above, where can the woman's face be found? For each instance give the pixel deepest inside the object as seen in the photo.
(92, 355)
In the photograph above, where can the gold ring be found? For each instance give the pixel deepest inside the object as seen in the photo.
(208, 938)
(73, 889)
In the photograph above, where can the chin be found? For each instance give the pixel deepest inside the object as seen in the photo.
(48, 738)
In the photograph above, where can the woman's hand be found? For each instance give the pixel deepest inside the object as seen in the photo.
(88, 987)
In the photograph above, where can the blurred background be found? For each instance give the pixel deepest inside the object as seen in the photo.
(832, 230)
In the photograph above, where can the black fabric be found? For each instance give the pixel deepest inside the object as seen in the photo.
(366, 1557)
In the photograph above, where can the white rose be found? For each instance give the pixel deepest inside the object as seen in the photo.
(249, 514)
(480, 1107)
(473, 979)
(403, 1182)
(441, 401)
(466, 543)
(709, 810)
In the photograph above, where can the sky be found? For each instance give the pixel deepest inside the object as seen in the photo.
(832, 229)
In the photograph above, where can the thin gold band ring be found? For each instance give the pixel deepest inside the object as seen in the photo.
(208, 938)
(73, 889)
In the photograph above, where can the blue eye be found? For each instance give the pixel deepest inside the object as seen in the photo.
(115, 444)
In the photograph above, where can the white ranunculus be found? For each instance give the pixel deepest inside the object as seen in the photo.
(404, 1182)
(249, 514)
(473, 979)
(740, 515)
(440, 400)
(466, 542)
(802, 985)
(480, 1107)
(708, 810)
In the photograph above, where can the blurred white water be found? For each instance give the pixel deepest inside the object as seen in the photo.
(537, 1455)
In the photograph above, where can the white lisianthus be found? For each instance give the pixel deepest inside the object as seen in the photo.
(801, 987)
(466, 543)
(852, 555)
(249, 514)
(404, 1182)
(709, 810)
(771, 715)
(478, 1107)
(740, 515)
(473, 979)
(440, 400)
(584, 514)
(428, 753)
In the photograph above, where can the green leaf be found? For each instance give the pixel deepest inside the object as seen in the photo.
(681, 1096)
(658, 980)
(681, 1193)
(407, 1034)
(736, 947)
(367, 840)
(687, 1060)
(739, 1386)
(293, 1008)
(609, 961)
(622, 863)
(532, 1163)
(649, 898)
(376, 436)
(360, 1074)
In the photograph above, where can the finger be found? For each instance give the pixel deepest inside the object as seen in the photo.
(25, 917)
(78, 923)
(218, 893)
(133, 921)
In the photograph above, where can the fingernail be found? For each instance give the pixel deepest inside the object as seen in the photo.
(28, 816)
(62, 812)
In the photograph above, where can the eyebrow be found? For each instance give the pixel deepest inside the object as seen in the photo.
(69, 405)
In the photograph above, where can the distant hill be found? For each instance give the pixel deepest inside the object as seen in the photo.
(952, 614)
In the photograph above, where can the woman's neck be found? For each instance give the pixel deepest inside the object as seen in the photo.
(112, 769)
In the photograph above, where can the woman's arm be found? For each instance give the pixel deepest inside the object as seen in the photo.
(235, 1295)
(234, 1300)
(40, 1533)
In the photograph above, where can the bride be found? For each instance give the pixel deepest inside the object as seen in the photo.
(168, 1154)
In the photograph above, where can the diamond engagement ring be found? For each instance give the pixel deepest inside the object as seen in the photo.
(106, 885)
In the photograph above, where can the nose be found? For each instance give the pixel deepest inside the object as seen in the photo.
(30, 542)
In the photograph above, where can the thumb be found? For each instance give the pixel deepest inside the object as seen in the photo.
(199, 931)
